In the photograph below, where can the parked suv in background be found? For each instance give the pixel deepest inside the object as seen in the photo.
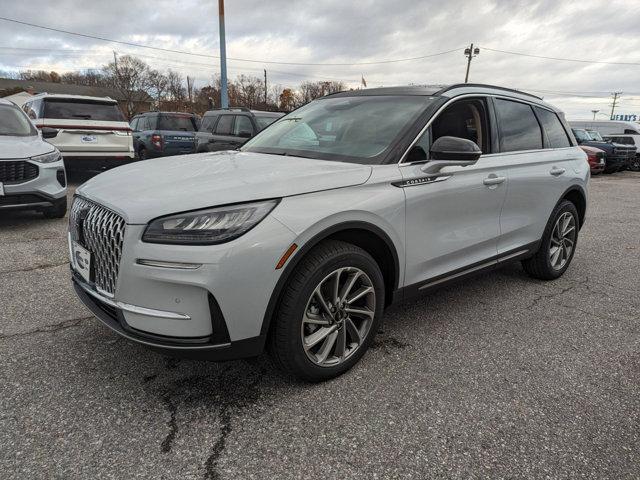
(616, 156)
(161, 134)
(299, 240)
(92, 132)
(628, 140)
(32, 173)
(230, 129)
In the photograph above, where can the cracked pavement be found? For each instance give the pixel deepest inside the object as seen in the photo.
(499, 376)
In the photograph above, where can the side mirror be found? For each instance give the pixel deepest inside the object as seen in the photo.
(452, 151)
(48, 132)
(245, 134)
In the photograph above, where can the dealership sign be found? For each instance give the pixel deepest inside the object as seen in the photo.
(625, 118)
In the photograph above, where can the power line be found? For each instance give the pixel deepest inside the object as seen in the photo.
(561, 59)
(182, 52)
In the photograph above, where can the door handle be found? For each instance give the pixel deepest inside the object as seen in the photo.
(493, 180)
(555, 171)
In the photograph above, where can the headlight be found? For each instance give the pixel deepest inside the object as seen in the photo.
(209, 226)
(47, 157)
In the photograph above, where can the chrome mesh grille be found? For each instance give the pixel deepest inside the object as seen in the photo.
(100, 231)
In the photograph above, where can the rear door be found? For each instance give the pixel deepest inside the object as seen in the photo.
(540, 158)
(87, 126)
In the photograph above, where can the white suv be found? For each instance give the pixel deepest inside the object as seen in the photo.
(92, 132)
(299, 240)
(32, 175)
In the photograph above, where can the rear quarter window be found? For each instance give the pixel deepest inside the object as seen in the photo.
(556, 135)
(73, 109)
(224, 125)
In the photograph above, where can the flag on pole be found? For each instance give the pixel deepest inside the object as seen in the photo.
(364, 82)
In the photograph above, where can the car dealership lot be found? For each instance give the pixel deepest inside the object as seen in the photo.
(498, 376)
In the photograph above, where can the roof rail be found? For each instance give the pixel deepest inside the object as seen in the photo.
(242, 109)
(484, 85)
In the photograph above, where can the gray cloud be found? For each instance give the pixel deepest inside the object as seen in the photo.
(339, 31)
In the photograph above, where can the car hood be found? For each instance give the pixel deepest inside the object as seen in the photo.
(142, 191)
(23, 147)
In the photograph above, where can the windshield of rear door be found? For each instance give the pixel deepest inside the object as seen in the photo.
(184, 123)
(358, 129)
(13, 122)
(81, 109)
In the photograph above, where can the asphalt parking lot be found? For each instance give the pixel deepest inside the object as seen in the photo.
(500, 377)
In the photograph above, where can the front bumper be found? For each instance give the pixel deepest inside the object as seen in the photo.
(111, 314)
(217, 307)
(41, 192)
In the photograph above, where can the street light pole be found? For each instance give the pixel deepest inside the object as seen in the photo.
(224, 94)
(594, 113)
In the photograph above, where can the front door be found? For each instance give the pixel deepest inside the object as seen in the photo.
(453, 217)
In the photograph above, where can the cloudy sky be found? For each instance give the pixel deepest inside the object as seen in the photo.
(343, 32)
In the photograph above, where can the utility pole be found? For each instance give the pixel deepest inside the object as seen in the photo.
(470, 53)
(594, 113)
(189, 86)
(265, 88)
(115, 61)
(224, 94)
(613, 104)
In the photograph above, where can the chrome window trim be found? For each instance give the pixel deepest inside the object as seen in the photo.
(401, 163)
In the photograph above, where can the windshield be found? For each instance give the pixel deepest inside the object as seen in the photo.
(176, 122)
(595, 135)
(81, 109)
(264, 121)
(582, 135)
(13, 122)
(358, 129)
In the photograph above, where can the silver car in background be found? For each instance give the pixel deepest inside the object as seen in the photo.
(300, 240)
(32, 175)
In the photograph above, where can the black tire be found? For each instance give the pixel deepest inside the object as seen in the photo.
(142, 154)
(285, 342)
(59, 210)
(634, 166)
(539, 265)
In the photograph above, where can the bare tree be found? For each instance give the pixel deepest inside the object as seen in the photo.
(130, 76)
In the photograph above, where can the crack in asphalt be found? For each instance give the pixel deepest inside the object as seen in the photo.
(562, 291)
(73, 322)
(198, 389)
(36, 267)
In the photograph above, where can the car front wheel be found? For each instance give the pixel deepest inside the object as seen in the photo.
(329, 312)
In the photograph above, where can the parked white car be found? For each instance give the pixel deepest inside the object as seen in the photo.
(32, 175)
(92, 132)
(299, 240)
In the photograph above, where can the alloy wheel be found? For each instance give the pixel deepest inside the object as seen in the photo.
(563, 239)
(338, 316)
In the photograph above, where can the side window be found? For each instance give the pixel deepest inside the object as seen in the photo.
(224, 125)
(519, 128)
(242, 125)
(464, 119)
(556, 135)
(143, 124)
(208, 123)
(134, 124)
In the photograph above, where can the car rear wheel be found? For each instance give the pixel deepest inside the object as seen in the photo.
(635, 165)
(142, 154)
(329, 312)
(558, 244)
